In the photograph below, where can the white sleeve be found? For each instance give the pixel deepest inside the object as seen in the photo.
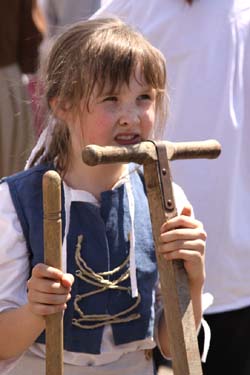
(14, 262)
(181, 199)
(14, 257)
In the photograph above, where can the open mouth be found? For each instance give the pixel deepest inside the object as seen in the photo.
(127, 139)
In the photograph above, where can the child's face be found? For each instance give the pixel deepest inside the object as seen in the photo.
(124, 117)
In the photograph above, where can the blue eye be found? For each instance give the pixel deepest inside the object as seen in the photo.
(110, 99)
(144, 97)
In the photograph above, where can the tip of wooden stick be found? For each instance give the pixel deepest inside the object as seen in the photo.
(90, 155)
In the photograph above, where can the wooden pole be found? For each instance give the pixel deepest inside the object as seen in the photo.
(53, 257)
(177, 303)
(144, 152)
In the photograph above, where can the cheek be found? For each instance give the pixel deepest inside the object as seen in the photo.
(97, 131)
(148, 122)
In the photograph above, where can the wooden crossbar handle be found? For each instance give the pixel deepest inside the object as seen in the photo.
(144, 152)
(52, 228)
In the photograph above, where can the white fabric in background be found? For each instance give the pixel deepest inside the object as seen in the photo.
(207, 50)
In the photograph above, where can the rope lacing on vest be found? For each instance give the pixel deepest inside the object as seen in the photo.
(101, 281)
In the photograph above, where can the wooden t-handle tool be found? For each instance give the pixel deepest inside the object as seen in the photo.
(178, 309)
(52, 228)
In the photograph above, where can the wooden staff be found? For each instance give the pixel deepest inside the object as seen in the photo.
(52, 228)
(144, 152)
(177, 303)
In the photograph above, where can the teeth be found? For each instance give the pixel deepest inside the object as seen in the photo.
(125, 137)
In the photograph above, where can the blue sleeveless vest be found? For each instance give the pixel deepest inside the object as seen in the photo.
(104, 247)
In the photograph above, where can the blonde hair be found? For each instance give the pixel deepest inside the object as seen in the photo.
(92, 54)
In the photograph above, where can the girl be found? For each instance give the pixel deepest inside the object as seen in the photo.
(104, 85)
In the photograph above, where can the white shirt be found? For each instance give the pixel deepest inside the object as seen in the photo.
(207, 50)
(14, 273)
(61, 13)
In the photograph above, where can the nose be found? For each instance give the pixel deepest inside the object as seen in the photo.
(129, 116)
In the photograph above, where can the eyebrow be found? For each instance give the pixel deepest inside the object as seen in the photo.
(116, 90)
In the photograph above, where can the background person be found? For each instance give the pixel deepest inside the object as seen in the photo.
(206, 44)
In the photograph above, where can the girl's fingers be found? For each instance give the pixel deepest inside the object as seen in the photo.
(193, 262)
(182, 234)
(181, 222)
(185, 255)
(183, 238)
(67, 280)
(46, 286)
(48, 299)
(48, 289)
(42, 270)
(50, 280)
(187, 210)
(196, 245)
(44, 310)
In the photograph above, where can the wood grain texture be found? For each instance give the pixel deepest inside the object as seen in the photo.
(53, 256)
(144, 152)
(177, 303)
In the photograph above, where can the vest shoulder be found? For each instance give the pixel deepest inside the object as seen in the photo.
(28, 175)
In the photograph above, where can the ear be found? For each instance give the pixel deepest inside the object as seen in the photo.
(60, 110)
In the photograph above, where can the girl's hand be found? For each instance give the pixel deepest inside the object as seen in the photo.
(183, 237)
(48, 290)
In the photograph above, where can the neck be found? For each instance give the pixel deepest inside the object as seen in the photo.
(93, 179)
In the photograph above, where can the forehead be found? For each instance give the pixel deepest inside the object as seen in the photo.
(136, 78)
